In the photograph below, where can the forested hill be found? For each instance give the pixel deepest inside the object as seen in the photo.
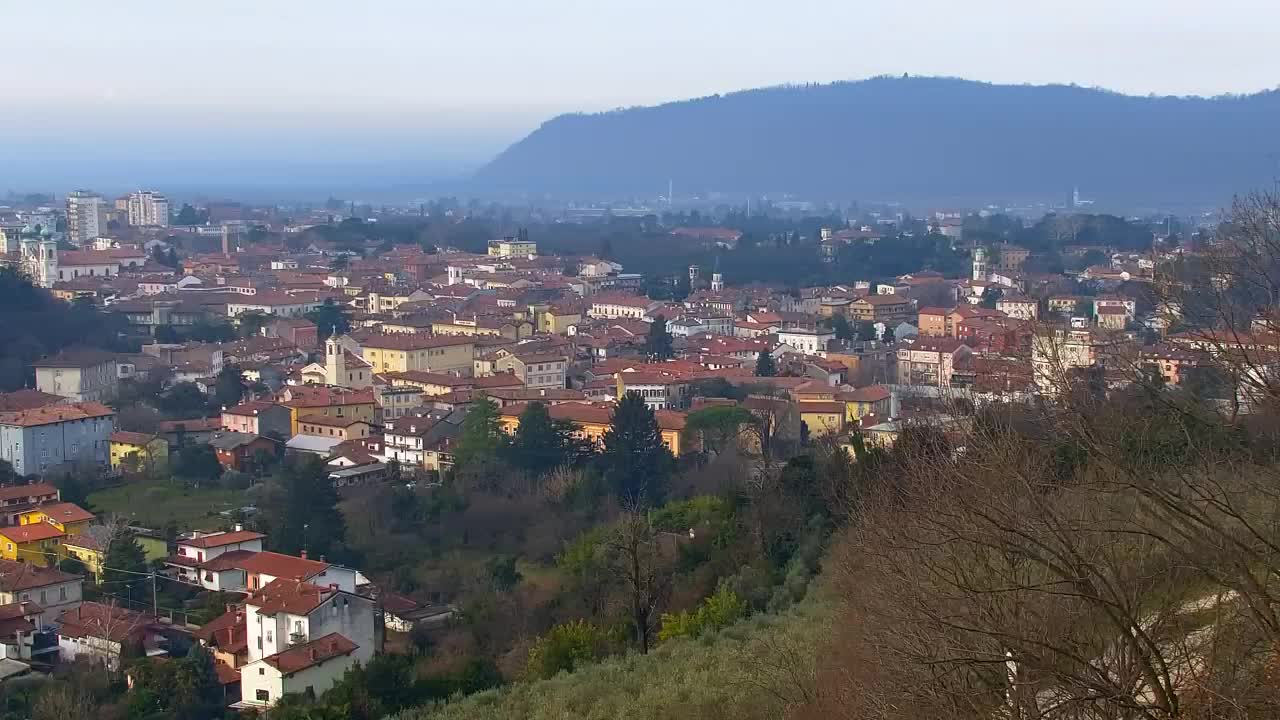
(909, 139)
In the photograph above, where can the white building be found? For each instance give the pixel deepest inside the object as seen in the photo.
(53, 590)
(302, 638)
(148, 208)
(83, 208)
(211, 560)
(810, 342)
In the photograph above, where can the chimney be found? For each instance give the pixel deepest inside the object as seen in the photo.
(302, 554)
(312, 652)
(321, 558)
(239, 527)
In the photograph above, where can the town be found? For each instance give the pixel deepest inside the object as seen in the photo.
(245, 347)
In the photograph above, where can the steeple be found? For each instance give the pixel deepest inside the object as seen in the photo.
(335, 362)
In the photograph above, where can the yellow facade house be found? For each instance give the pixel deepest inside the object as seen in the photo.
(67, 517)
(592, 420)
(36, 543)
(141, 450)
(823, 418)
(303, 400)
(402, 352)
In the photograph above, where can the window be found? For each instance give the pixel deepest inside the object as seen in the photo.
(262, 695)
(62, 593)
(43, 598)
(270, 636)
(259, 647)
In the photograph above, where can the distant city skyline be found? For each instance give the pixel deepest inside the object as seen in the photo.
(148, 93)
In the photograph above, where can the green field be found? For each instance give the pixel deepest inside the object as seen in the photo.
(153, 503)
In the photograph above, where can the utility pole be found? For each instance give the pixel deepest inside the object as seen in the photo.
(155, 606)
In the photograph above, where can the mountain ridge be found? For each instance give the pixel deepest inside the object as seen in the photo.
(907, 138)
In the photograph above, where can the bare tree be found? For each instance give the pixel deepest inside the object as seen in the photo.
(640, 561)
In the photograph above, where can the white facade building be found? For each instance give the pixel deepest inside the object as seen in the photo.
(148, 208)
(83, 208)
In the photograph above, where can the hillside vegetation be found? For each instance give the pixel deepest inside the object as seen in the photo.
(906, 139)
(752, 670)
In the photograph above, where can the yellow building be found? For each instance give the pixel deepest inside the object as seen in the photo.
(510, 247)
(870, 400)
(402, 352)
(67, 517)
(328, 402)
(85, 548)
(592, 421)
(823, 418)
(36, 543)
(150, 452)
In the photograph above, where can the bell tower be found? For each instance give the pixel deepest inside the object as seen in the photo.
(335, 362)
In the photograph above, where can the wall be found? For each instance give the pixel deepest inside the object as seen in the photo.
(54, 604)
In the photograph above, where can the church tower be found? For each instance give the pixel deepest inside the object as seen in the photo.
(335, 362)
(980, 265)
(717, 282)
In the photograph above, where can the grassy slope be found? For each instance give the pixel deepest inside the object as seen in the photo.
(741, 673)
(154, 503)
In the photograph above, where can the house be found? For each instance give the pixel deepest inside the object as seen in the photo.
(661, 391)
(190, 430)
(35, 543)
(17, 499)
(38, 440)
(264, 567)
(513, 247)
(402, 614)
(887, 309)
(536, 369)
(805, 340)
(259, 417)
(823, 418)
(67, 517)
(299, 331)
(52, 590)
(592, 420)
(23, 635)
(1019, 306)
(399, 352)
(613, 306)
(138, 451)
(79, 375)
(226, 637)
(98, 632)
(210, 560)
(929, 361)
(27, 399)
(332, 401)
(870, 400)
(396, 401)
(302, 638)
(340, 429)
(933, 321)
(276, 303)
(240, 451)
(422, 441)
(1113, 318)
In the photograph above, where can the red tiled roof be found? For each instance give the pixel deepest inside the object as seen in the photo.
(250, 408)
(222, 539)
(868, 394)
(282, 566)
(52, 414)
(301, 657)
(65, 512)
(26, 400)
(32, 532)
(15, 576)
(131, 438)
(20, 492)
(290, 596)
(96, 619)
(227, 560)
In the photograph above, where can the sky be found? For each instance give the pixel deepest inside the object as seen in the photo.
(144, 92)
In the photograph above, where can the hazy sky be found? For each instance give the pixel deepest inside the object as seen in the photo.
(292, 85)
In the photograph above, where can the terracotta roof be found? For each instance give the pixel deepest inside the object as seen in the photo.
(20, 492)
(821, 407)
(868, 394)
(96, 619)
(52, 414)
(250, 408)
(32, 532)
(227, 675)
(301, 657)
(222, 539)
(65, 512)
(15, 575)
(283, 566)
(191, 425)
(229, 560)
(412, 341)
(75, 358)
(26, 400)
(131, 438)
(396, 604)
(331, 421)
(290, 596)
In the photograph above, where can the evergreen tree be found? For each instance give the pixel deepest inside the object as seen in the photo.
(636, 461)
(300, 509)
(196, 691)
(122, 564)
(658, 344)
(541, 444)
(229, 389)
(765, 366)
(481, 436)
(330, 319)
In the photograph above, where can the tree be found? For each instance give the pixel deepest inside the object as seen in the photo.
(502, 573)
(197, 464)
(481, 436)
(565, 648)
(765, 366)
(188, 216)
(124, 564)
(657, 344)
(839, 324)
(300, 509)
(183, 400)
(635, 459)
(637, 561)
(541, 444)
(8, 476)
(230, 386)
(715, 427)
(330, 319)
(251, 323)
(196, 691)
